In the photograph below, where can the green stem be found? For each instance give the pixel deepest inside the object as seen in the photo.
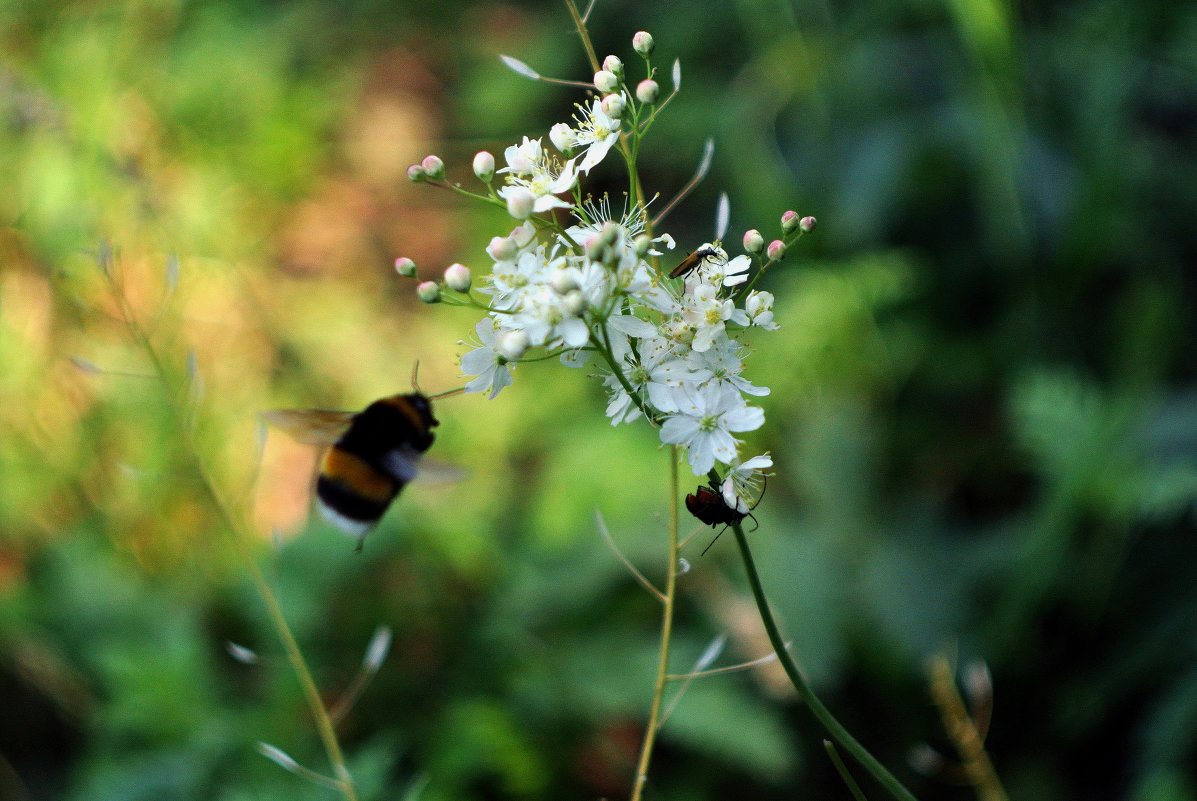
(654, 711)
(821, 713)
(324, 724)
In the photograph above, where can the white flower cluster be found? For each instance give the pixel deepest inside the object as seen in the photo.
(592, 289)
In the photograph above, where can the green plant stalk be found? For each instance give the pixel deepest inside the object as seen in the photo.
(667, 604)
(324, 724)
(821, 713)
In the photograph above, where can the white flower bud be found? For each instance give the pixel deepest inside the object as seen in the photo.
(754, 242)
(457, 277)
(523, 235)
(776, 250)
(574, 303)
(614, 65)
(647, 91)
(513, 345)
(611, 232)
(501, 248)
(563, 281)
(428, 292)
(434, 168)
(484, 166)
(595, 247)
(405, 267)
(642, 43)
(520, 203)
(613, 106)
(563, 137)
(606, 81)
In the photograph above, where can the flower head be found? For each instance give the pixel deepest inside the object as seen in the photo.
(705, 423)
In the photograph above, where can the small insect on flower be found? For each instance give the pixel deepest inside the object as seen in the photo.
(371, 456)
(707, 504)
(693, 260)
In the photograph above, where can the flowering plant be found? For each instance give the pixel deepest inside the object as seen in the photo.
(585, 281)
(581, 280)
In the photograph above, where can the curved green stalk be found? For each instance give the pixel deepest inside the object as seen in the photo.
(821, 713)
(324, 723)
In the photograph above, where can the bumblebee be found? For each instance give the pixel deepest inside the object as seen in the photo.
(693, 260)
(371, 456)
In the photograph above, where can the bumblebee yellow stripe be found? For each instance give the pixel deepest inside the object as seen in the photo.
(354, 474)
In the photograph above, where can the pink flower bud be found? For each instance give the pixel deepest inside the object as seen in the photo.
(428, 292)
(501, 248)
(416, 174)
(776, 250)
(405, 267)
(642, 43)
(753, 241)
(789, 221)
(807, 224)
(647, 91)
(434, 167)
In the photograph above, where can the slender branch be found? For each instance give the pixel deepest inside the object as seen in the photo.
(963, 732)
(324, 724)
(654, 712)
(627, 563)
(842, 769)
(583, 34)
(821, 713)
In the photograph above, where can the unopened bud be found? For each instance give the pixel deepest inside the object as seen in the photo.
(416, 174)
(753, 241)
(613, 106)
(606, 81)
(520, 203)
(484, 166)
(428, 292)
(611, 232)
(405, 267)
(789, 221)
(595, 248)
(574, 303)
(501, 248)
(613, 65)
(807, 224)
(563, 282)
(433, 167)
(523, 235)
(563, 137)
(643, 245)
(647, 91)
(513, 345)
(776, 250)
(642, 43)
(457, 277)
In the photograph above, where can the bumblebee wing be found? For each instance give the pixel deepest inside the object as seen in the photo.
(437, 472)
(310, 426)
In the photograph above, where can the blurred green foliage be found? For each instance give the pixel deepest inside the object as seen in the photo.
(984, 406)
